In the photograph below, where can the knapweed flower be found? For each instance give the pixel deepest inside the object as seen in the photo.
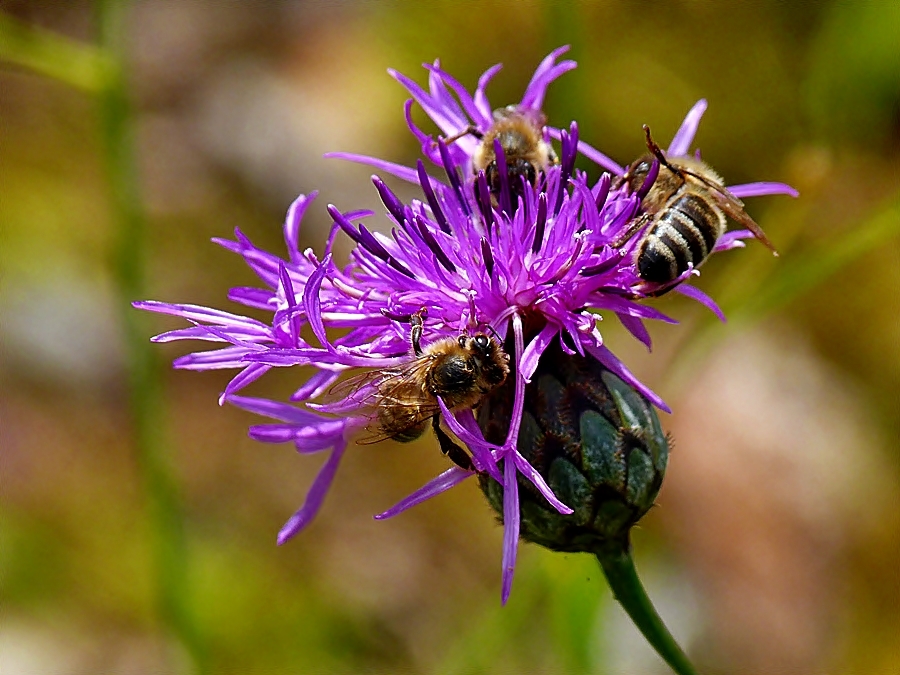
(539, 271)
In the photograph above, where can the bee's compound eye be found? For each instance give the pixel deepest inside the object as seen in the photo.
(527, 169)
(481, 341)
(462, 341)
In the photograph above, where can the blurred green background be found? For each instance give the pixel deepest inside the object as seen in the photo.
(139, 521)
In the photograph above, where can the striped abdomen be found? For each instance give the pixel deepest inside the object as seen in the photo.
(683, 232)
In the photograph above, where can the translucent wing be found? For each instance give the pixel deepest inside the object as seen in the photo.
(733, 208)
(398, 389)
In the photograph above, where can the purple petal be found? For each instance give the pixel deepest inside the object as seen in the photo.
(284, 412)
(306, 439)
(249, 374)
(313, 304)
(732, 239)
(519, 400)
(615, 366)
(450, 478)
(244, 336)
(259, 298)
(537, 479)
(695, 293)
(510, 526)
(198, 313)
(546, 72)
(481, 100)
(216, 359)
(447, 119)
(637, 328)
(591, 153)
(681, 143)
(535, 348)
(398, 170)
(314, 497)
(315, 385)
(468, 103)
(760, 189)
(481, 449)
(292, 223)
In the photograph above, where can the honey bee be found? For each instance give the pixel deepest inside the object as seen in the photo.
(686, 207)
(402, 400)
(521, 135)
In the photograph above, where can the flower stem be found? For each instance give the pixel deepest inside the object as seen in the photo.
(618, 566)
(145, 387)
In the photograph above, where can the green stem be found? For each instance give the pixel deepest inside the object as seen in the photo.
(80, 65)
(145, 386)
(618, 566)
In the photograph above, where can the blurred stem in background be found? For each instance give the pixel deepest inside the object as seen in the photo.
(100, 71)
(147, 407)
(79, 65)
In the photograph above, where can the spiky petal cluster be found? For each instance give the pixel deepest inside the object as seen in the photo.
(546, 260)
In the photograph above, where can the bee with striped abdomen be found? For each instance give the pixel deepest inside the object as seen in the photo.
(686, 207)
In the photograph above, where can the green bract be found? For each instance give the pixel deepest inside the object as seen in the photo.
(597, 443)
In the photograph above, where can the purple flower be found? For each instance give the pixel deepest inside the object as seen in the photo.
(543, 269)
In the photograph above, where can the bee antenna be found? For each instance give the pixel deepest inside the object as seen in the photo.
(415, 335)
(656, 151)
(493, 332)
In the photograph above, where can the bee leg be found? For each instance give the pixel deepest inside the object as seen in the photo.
(465, 132)
(630, 230)
(456, 454)
(415, 335)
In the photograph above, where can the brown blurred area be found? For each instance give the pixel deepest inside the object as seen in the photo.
(779, 519)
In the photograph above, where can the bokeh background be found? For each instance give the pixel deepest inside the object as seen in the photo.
(138, 520)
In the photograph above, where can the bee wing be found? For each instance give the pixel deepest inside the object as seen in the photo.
(372, 386)
(361, 389)
(734, 209)
(397, 387)
(374, 433)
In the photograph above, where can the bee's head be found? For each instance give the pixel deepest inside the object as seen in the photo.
(493, 362)
(480, 344)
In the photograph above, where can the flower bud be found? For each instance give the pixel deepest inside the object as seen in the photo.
(595, 440)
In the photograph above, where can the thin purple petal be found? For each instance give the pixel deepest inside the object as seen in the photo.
(591, 153)
(312, 302)
(614, 365)
(537, 479)
(292, 223)
(450, 478)
(510, 526)
(546, 72)
(681, 143)
(315, 385)
(732, 239)
(249, 374)
(481, 100)
(695, 293)
(314, 497)
(535, 348)
(762, 189)
(284, 412)
(398, 170)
